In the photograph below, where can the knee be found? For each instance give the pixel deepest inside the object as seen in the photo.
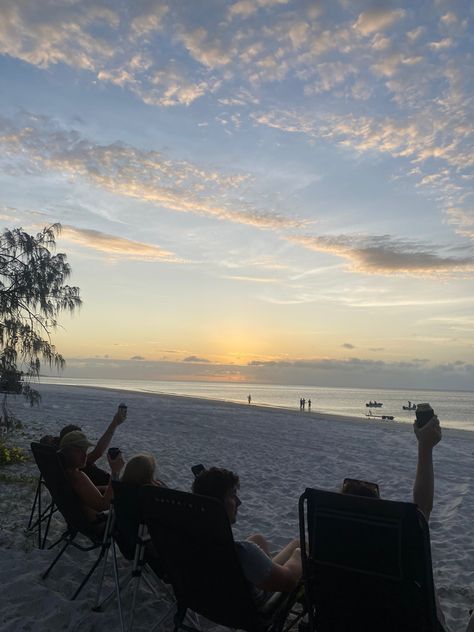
(259, 540)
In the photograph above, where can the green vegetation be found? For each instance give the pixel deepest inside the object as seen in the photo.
(33, 292)
(25, 479)
(11, 454)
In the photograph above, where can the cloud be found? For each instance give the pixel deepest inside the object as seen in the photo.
(433, 148)
(41, 146)
(250, 279)
(352, 372)
(377, 19)
(53, 33)
(149, 20)
(385, 255)
(347, 345)
(205, 49)
(117, 246)
(246, 8)
(194, 358)
(447, 42)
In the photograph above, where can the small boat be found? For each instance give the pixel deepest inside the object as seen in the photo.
(383, 417)
(374, 404)
(409, 407)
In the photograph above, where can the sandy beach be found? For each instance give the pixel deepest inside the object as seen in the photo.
(277, 453)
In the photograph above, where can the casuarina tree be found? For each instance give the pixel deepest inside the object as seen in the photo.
(33, 292)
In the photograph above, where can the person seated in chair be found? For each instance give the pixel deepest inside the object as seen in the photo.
(98, 476)
(280, 573)
(73, 452)
(428, 437)
(140, 470)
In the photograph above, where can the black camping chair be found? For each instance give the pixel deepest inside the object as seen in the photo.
(70, 507)
(366, 564)
(42, 515)
(193, 539)
(129, 533)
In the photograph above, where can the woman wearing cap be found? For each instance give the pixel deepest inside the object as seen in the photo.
(73, 449)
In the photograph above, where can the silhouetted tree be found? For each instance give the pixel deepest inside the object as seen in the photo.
(32, 295)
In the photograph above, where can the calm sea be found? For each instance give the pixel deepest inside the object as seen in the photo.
(454, 408)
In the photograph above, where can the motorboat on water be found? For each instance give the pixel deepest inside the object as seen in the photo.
(370, 415)
(409, 407)
(374, 404)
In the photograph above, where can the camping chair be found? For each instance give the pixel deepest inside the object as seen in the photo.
(42, 514)
(193, 539)
(366, 564)
(69, 506)
(130, 535)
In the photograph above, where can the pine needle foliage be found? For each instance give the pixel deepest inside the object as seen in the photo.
(33, 292)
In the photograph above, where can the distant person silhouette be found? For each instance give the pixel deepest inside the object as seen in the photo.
(303, 403)
(250, 399)
(309, 405)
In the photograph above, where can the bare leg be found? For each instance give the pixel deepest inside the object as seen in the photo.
(284, 555)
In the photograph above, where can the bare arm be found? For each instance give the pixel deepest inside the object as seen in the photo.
(284, 578)
(106, 438)
(423, 488)
(88, 493)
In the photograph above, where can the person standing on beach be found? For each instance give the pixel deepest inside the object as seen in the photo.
(267, 574)
(249, 399)
(309, 405)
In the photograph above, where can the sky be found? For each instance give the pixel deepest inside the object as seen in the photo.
(252, 190)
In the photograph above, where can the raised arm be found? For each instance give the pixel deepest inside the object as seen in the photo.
(106, 438)
(88, 492)
(423, 489)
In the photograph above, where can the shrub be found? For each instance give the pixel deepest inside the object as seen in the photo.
(11, 454)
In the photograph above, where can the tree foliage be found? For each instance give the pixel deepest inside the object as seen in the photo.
(33, 292)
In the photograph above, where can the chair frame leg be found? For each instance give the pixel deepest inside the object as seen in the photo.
(117, 587)
(138, 564)
(106, 543)
(38, 491)
(42, 515)
(53, 563)
(88, 576)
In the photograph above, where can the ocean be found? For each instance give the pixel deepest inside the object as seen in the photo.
(454, 408)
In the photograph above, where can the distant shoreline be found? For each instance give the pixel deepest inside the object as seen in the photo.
(303, 387)
(314, 415)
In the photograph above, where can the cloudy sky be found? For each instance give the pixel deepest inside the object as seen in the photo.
(272, 190)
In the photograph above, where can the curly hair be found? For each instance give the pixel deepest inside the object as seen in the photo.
(215, 482)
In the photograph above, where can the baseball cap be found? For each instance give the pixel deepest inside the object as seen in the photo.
(76, 439)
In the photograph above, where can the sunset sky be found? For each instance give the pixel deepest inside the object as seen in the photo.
(252, 190)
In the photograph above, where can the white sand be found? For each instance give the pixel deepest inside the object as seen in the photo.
(277, 454)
